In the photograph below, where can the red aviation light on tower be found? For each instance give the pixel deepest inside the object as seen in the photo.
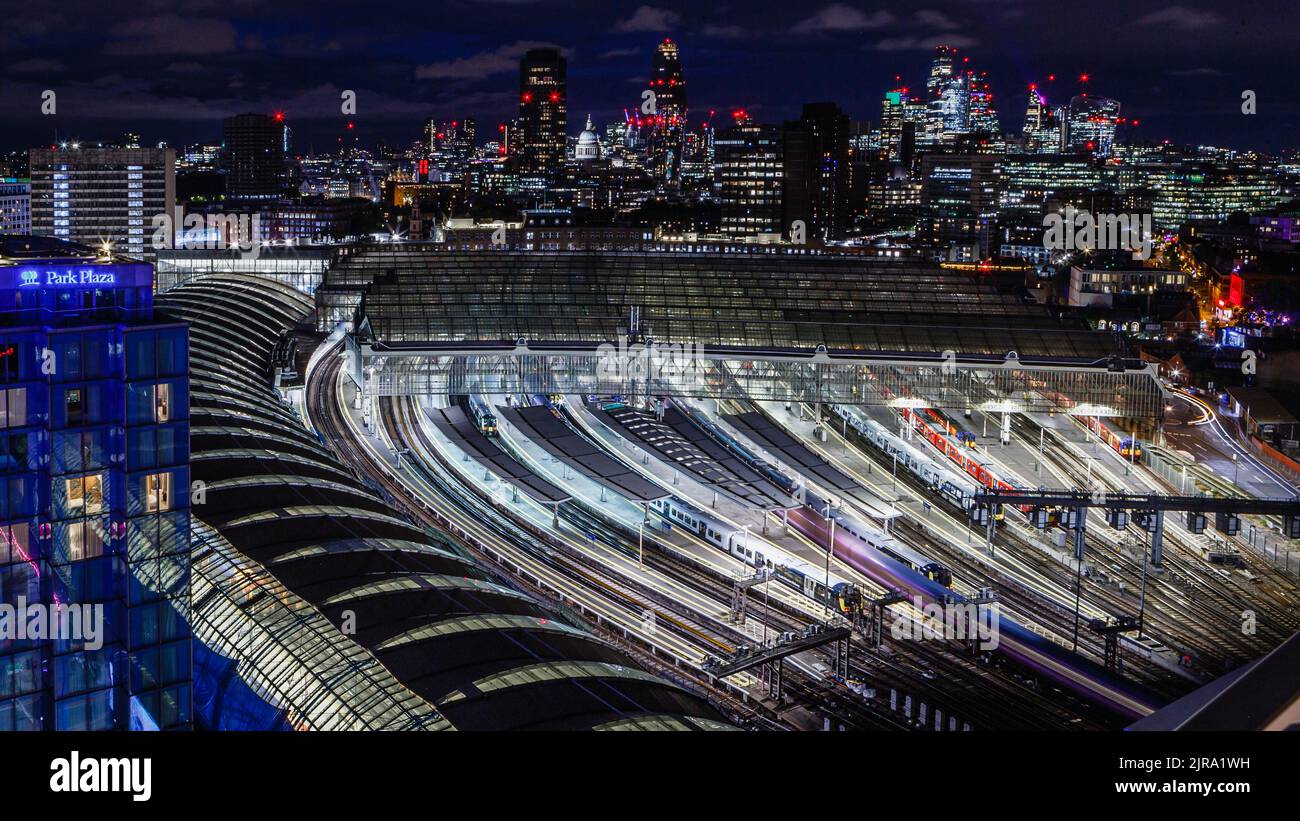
(555, 96)
(279, 116)
(1085, 77)
(1051, 78)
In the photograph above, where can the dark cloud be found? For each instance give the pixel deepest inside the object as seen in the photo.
(649, 18)
(839, 17)
(1181, 17)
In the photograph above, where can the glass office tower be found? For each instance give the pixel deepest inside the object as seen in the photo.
(94, 495)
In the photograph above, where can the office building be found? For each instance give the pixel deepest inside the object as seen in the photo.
(959, 199)
(15, 206)
(257, 150)
(816, 172)
(1090, 125)
(543, 107)
(665, 138)
(102, 197)
(750, 167)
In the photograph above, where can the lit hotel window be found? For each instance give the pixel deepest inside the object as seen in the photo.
(162, 400)
(158, 489)
(86, 493)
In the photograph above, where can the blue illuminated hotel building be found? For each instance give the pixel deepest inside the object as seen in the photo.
(94, 500)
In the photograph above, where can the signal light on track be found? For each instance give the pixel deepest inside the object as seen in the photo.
(1117, 519)
(1145, 519)
(1195, 521)
(1291, 526)
(1229, 524)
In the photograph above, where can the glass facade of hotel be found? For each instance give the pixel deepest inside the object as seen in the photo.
(94, 505)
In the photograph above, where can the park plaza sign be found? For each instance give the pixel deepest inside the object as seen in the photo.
(60, 277)
(66, 277)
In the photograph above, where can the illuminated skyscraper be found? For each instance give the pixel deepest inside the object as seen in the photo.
(1091, 125)
(983, 118)
(1041, 131)
(669, 118)
(543, 109)
(896, 134)
(945, 96)
(750, 169)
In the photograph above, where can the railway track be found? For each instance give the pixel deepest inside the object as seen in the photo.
(1213, 630)
(530, 561)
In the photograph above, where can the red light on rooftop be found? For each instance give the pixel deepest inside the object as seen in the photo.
(528, 96)
(279, 116)
(555, 96)
(1085, 77)
(1051, 77)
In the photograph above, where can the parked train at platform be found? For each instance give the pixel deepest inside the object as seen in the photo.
(753, 460)
(1126, 446)
(789, 570)
(484, 418)
(953, 486)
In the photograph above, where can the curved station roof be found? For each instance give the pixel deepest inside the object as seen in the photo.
(442, 642)
(768, 301)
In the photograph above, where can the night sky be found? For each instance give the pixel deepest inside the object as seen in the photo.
(171, 71)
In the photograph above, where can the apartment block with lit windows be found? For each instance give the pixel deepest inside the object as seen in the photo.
(94, 491)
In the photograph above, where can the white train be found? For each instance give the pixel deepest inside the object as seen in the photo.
(753, 551)
(952, 485)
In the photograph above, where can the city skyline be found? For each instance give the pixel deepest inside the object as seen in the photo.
(149, 79)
